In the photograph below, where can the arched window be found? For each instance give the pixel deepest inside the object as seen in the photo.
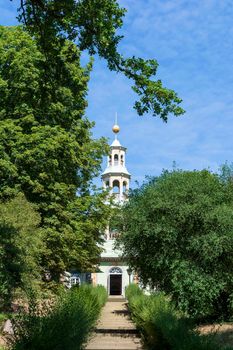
(115, 159)
(122, 159)
(116, 186)
(110, 159)
(124, 187)
(115, 271)
(107, 183)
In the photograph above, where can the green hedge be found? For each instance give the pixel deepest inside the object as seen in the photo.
(65, 325)
(162, 326)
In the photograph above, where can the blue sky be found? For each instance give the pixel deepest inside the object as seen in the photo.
(192, 41)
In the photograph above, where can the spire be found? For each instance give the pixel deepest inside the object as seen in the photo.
(116, 127)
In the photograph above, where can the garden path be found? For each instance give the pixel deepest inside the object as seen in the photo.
(115, 330)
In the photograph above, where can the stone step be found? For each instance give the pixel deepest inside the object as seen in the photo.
(113, 342)
(117, 299)
(119, 331)
(115, 330)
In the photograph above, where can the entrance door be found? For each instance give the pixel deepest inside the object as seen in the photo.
(115, 284)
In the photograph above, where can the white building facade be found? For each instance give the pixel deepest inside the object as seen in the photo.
(113, 273)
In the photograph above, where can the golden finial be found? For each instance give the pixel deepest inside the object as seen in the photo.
(116, 127)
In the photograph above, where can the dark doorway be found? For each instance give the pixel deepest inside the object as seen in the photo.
(115, 284)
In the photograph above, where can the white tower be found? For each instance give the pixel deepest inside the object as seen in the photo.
(116, 176)
(114, 272)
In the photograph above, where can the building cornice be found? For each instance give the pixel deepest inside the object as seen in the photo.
(111, 259)
(116, 174)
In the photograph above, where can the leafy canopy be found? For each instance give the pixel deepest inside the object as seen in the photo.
(93, 25)
(178, 235)
(46, 147)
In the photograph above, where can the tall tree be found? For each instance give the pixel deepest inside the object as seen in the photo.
(93, 25)
(178, 235)
(46, 147)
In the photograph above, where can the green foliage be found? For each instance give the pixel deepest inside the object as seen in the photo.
(93, 25)
(162, 326)
(178, 235)
(46, 147)
(115, 220)
(20, 247)
(64, 325)
(3, 317)
(132, 291)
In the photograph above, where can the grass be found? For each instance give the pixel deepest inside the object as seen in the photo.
(162, 327)
(222, 333)
(65, 325)
(3, 317)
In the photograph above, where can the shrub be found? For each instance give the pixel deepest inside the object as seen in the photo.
(179, 226)
(65, 325)
(162, 326)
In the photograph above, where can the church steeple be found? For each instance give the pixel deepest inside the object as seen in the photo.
(116, 176)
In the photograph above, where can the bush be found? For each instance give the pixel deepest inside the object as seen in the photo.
(65, 325)
(180, 227)
(162, 326)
